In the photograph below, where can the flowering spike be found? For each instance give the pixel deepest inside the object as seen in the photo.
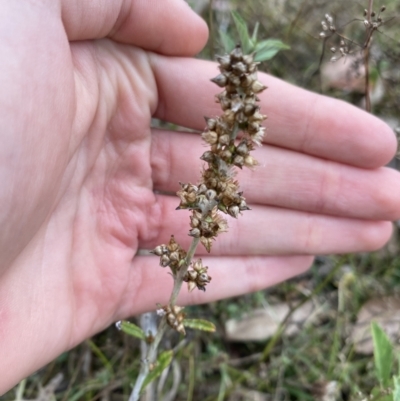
(230, 138)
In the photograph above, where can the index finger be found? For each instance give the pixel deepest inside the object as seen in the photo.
(297, 119)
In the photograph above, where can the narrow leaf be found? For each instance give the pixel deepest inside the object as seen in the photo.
(383, 354)
(199, 324)
(396, 389)
(163, 361)
(97, 351)
(132, 330)
(270, 43)
(267, 49)
(227, 42)
(255, 33)
(243, 32)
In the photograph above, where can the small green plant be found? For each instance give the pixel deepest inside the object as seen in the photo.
(388, 388)
(263, 49)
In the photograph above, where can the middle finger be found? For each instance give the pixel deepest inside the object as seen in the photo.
(284, 179)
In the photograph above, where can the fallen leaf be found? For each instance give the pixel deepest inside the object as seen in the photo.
(386, 312)
(260, 324)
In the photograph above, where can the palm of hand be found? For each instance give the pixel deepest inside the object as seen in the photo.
(81, 175)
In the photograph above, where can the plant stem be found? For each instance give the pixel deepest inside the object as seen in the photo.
(367, 91)
(152, 349)
(150, 359)
(20, 391)
(369, 11)
(366, 57)
(182, 271)
(212, 28)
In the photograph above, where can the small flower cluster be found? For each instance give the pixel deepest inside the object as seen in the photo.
(174, 316)
(231, 138)
(343, 51)
(327, 26)
(207, 226)
(328, 30)
(371, 22)
(171, 255)
(197, 276)
(375, 21)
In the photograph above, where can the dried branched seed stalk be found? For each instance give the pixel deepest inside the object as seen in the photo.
(231, 137)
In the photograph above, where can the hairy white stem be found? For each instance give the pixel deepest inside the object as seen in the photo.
(153, 347)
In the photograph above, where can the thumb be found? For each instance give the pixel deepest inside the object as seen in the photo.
(167, 27)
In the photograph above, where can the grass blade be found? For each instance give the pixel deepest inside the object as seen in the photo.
(383, 354)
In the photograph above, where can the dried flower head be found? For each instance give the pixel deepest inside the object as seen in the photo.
(171, 255)
(231, 138)
(197, 276)
(175, 317)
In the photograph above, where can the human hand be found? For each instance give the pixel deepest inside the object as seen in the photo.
(80, 164)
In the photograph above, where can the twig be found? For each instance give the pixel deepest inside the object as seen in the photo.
(366, 57)
(367, 91)
(212, 28)
(370, 5)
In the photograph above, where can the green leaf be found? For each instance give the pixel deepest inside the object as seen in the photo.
(243, 32)
(396, 389)
(270, 44)
(267, 49)
(163, 361)
(227, 42)
(383, 354)
(199, 324)
(97, 351)
(132, 330)
(255, 33)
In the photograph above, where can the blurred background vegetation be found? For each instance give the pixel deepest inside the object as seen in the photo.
(308, 338)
